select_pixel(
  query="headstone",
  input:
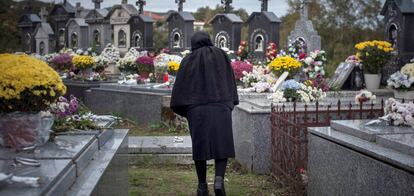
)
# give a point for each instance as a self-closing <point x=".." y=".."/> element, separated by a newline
<point x="264" y="28"/>
<point x="131" y="29"/>
<point x="304" y="31"/>
<point x="399" y="28"/>
<point x="100" y="30"/>
<point x="44" y="35"/>
<point x="59" y="17"/>
<point x="342" y="73"/>
<point x="78" y="30"/>
<point x="180" y="29"/>
<point x="226" y="28"/>
<point x="27" y="25"/>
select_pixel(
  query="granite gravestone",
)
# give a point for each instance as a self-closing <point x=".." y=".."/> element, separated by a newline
<point x="226" y="28"/>
<point x="78" y="29"/>
<point x="59" y="17"/>
<point x="142" y="36"/>
<point x="100" y="30"/>
<point x="44" y="35"/>
<point x="304" y="31"/>
<point x="27" y="25"/>
<point x="264" y="28"/>
<point x="399" y="30"/>
<point x="180" y="29"/>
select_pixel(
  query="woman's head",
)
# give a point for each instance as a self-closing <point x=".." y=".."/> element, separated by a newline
<point x="199" y="40"/>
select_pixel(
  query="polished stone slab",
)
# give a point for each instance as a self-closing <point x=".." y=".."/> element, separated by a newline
<point x="151" y="88"/>
<point x="358" y="128"/>
<point x="60" y="173"/>
<point x="159" y="145"/>
<point x="403" y="143"/>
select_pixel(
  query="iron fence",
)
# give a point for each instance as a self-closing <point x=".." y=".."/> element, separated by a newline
<point x="289" y="133"/>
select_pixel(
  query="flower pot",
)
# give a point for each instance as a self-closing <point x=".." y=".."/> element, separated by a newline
<point x="372" y="81"/>
<point x="406" y="95"/>
<point x="144" y="74"/>
<point x="19" y="130"/>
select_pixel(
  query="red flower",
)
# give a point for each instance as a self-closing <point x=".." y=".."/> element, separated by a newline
<point x="302" y="55"/>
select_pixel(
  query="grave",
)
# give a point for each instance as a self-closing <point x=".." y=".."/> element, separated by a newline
<point x="180" y="29"/>
<point x="227" y="28"/>
<point x="59" y="17"/>
<point x="352" y="158"/>
<point x="100" y="30"/>
<point x="44" y="35"/>
<point x="398" y="17"/>
<point x="264" y="28"/>
<point x="27" y="25"/>
<point x="78" y="29"/>
<point x="304" y="32"/>
<point x="252" y="130"/>
<point x="90" y="163"/>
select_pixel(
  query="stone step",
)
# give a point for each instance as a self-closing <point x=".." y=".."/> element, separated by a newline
<point x="160" y="145"/>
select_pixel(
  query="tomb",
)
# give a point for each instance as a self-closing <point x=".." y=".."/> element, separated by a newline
<point x="78" y="29"/>
<point x="27" y="24"/>
<point x="59" y="17"/>
<point x="100" y="30"/>
<point x="264" y="28"/>
<point x="44" y="35"/>
<point x="180" y="29"/>
<point x="227" y="29"/>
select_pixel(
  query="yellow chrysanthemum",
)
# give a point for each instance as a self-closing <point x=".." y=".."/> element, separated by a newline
<point x="24" y="77"/>
<point x="83" y="61"/>
<point x="284" y="63"/>
<point x="173" y="66"/>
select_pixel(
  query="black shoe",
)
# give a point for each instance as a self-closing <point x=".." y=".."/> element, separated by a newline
<point x="219" y="186"/>
<point x="202" y="189"/>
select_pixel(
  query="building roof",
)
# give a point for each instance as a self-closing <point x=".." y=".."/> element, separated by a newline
<point x="30" y="17"/>
<point x="186" y="16"/>
<point x="269" y="15"/>
<point x="80" y="21"/>
<point x="66" y="6"/>
<point x="146" y="18"/>
<point x="130" y="9"/>
<point x="154" y="16"/>
<point x="103" y="12"/>
<point x="232" y="17"/>
<point x="405" y="6"/>
<point x="46" y="27"/>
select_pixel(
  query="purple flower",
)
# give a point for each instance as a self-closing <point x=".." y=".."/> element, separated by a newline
<point x="239" y="67"/>
<point x="62" y="61"/>
<point x="145" y="60"/>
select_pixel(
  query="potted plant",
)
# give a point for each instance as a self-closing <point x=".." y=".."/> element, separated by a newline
<point x="403" y="82"/>
<point x="84" y="63"/>
<point x="239" y="67"/>
<point x="283" y="64"/>
<point x="62" y="62"/>
<point x="145" y="66"/>
<point x="373" y="56"/>
<point x="28" y="86"/>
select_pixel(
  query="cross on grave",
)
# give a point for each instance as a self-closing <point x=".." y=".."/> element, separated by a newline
<point x="227" y="4"/>
<point x="97" y="3"/>
<point x="180" y="4"/>
<point x="43" y="14"/>
<point x="141" y="4"/>
<point x="264" y="5"/>
<point x="304" y="9"/>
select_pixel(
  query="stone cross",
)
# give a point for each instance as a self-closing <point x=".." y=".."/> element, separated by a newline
<point x="304" y="9"/>
<point x="124" y="1"/>
<point x="226" y="4"/>
<point x="264" y="5"/>
<point x="43" y="14"/>
<point x="141" y="4"/>
<point x="97" y="3"/>
<point x="180" y="4"/>
<point x="78" y="10"/>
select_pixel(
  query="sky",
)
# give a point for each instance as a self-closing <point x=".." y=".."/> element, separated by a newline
<point x="279" y="7"/>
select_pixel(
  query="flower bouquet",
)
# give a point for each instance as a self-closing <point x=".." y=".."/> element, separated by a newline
<point x="295" y="91"/>
<point x="239" y="67"/>
<point x="62" y="62"/>
<point x="271" y="51"/>
<point x="28" y="87"/>
<point x="145" y="66"/>
<point x="364" y="96"/>
<point x="284" y="64"/>
<point x="313" y="65"/>
<point x="399" y="114"/>
<point x="242" y="52"/>
<point x="109" y="56"/>
<point x="403" y="82"/>
<point x="173" y="67"/>
<point x="83" y="62"/>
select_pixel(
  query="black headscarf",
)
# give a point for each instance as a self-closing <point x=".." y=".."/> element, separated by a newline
<point x="205" y="76"/>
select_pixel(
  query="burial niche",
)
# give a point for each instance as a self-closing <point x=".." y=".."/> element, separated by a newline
<point x="122" y="39"/>
<point x="176" y="41"/>
<point x="137" y="39"/>
<point x="393" y="36"/>
<point x="62" y="38"/>
<point x="74" y="40"/>
<point x="259" y="43"/>
<point x="42" y="48"/>
<point x="28" y="43"/>
<point x="97" y="37"/>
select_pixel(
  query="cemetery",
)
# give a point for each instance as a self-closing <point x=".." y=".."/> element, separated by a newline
<point x="85" y="103"/>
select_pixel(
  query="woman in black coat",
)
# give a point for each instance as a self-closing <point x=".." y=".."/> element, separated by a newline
<point x="205" y="93"/>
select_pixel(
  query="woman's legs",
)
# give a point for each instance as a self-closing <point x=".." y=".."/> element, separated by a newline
<point x="221" y="165"/>
<point x="201" y="169"/>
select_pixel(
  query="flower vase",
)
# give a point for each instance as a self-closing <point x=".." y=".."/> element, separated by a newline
<point x="144" y="74"/>
<point x="406" y="95"/>
<point x="19" y="130"/>
<point x="372" y="81"/>
<point x="87" y="72"/>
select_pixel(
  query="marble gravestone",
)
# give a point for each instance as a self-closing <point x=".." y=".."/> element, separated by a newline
<point x="180" y="29"/>
<point x="399" y="30"/>
<point x="100" y="30"/>
<point x="78" y="29"/>
<point x="304" y="32"/>
<point x="59" y="17"/>
<point x="44" y="35"/>
<point x="27" y="25"/>
<point x="227" y="28"/>
<point x="264" y="28"/>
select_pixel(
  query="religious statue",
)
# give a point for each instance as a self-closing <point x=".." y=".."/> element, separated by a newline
<point x="62" y="39"/>
<point x="222" y="42"/>
<point x="74" y="40"/>
<point x="42" y="48"/>
<point x="394" y="38"/>
<point x="97" y="37"/>
<point x="137" y="40"/>
<point x="122" y="39"/>
<point x="28" y="42"/>
<point x="177" y="39"/>
<point x="258" y="46"/>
